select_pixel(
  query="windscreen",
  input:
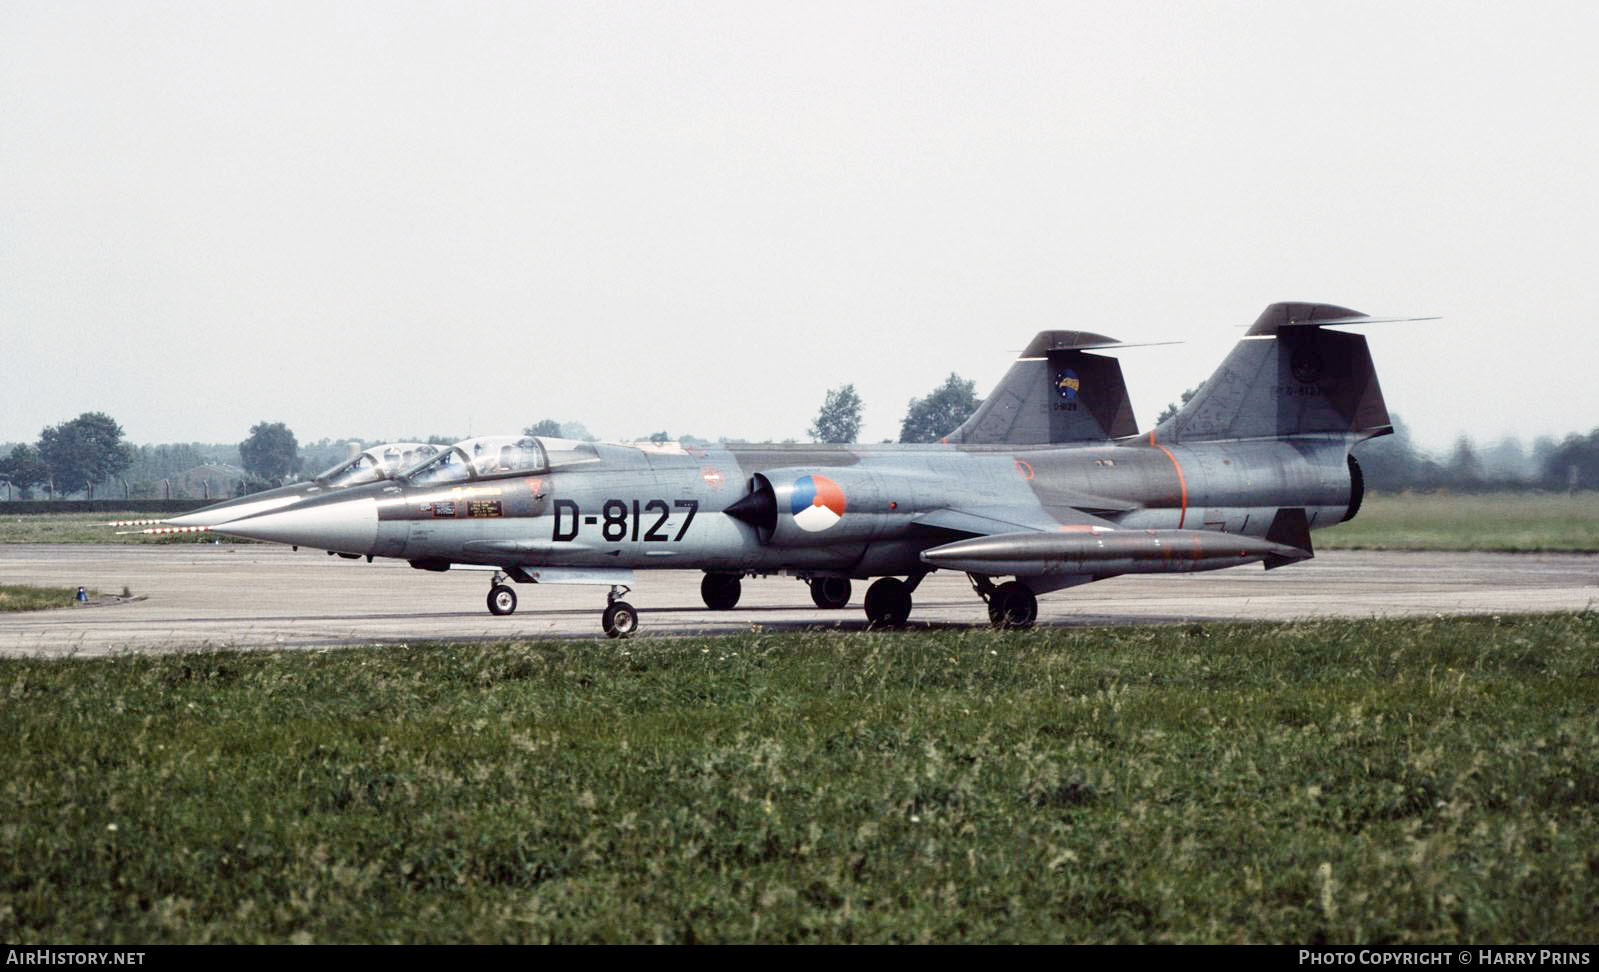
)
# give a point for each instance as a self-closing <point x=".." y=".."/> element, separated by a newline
<point x="494" y="456"/>
<point x="482" y="458"/>
<point x="450" y="466"/>
<point x="378" y="462"/>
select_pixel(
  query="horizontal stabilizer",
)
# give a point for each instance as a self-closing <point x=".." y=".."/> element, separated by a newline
<point x="1046" y="341"/>
<point x="1291" y="314"/>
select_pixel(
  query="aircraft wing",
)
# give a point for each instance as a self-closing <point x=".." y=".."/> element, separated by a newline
<point x="984" y="521"/>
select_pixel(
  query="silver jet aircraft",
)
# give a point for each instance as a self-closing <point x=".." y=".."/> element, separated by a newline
<point x="1047" y="486"/>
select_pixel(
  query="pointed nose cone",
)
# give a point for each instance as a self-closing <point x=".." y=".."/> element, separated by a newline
<point x="345" y="526"/>
<point x="236" y="509"/>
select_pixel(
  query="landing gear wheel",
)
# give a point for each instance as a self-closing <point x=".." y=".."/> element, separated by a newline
<point x="1013" y="605"/>
<point x="720" y="591"/>
<point x="620" y="620"/>
<point x="888" y="603"/>
<point x="502" y="600"/>
<point x="830" y="592"/>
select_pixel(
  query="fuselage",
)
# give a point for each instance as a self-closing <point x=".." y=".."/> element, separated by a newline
<point x="857" y="511"/>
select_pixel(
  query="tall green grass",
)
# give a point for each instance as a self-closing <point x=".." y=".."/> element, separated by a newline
<point x="91" y="528"/>
<point x="27" y="597"/>
<point x="1399" y="782"/>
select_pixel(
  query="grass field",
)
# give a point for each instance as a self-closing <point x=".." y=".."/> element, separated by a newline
<point x="26" y="597"/>
<point x="89" y="528"/>
<point x="1490" y="521"/>
<point x="1401" y="782"/>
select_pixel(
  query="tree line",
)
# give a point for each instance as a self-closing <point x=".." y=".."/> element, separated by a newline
<point x="88" y="453"/>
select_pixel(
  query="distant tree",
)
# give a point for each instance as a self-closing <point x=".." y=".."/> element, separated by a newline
<point x="1174" y="407"/>
<point x="87" y="450"/>
<point x="578" y="431"/>
<point x="548" y="427"/>
<point x="1542" y="448"/>
<point x="248" y="485"/>
<point x="1506" y="462"/>
<point x="1464" y="468"/>
<point x="840" y="417"/>
<point x="153" y="463"/>
<point x="24" y="469"/>
<point x="941" y="412"/>
<point x="660" y="438"/>
<point x="271" y="452"/>
<point x="1392" y="462"/>
<point x="1574" y="464"/>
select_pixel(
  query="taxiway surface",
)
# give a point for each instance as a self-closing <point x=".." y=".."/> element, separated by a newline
<point x="263" y="596"/>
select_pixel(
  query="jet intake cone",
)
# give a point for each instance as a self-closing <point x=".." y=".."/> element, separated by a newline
<point x="758" y="509"/>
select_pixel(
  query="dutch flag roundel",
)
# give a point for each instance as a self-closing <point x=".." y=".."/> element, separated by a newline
<point x="817" y="503"/>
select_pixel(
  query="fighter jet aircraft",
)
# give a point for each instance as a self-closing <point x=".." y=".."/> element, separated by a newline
<point x="1045" y="485"/>
<point x="368" y="466"/>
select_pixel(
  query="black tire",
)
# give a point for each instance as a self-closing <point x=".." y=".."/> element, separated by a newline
<point x="620" y="620"/>
<point x="721" y="591"/>
<point x="1013" y="605"/>
<point x="502" y="600"/>
<point x="888" y="603"/>
<point x="830" y="592"/>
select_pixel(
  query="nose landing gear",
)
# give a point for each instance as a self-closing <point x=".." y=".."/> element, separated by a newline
<point x="619" y="619"/>
<point x="502" y="599"/>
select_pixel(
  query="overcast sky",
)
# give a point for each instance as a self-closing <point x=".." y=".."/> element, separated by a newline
<point x="380" y="219"/>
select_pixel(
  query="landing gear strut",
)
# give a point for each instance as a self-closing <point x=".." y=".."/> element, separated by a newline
<point x="888" y="601"/>
<point x="720" y="591"/>
<point x="620" y="619"/>
<point x="502" y="599"/>
<point x="830" y="592"/>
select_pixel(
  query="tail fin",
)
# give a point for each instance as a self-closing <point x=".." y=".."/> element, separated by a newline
<point x="1288" y="377"/>
<point x="1055" y="392"/>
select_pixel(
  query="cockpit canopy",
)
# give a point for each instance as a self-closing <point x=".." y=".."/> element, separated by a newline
<point x="379" y="462"/>
<point x="491" y="456"/>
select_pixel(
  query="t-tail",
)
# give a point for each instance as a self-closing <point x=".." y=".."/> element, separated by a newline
<point x="1289" y="377"/>
<point x="1056" y="392"/>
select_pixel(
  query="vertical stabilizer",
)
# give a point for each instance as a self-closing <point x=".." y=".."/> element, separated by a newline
<point x="1055" y="392"/>
<point x="1289" y="376"/>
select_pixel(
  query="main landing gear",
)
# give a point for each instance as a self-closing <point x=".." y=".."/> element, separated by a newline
<point x="720" y="591"/>
<point x="888" y="601"/>
<point x="1010" y="605"/>
<point x="830" y="592"/>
